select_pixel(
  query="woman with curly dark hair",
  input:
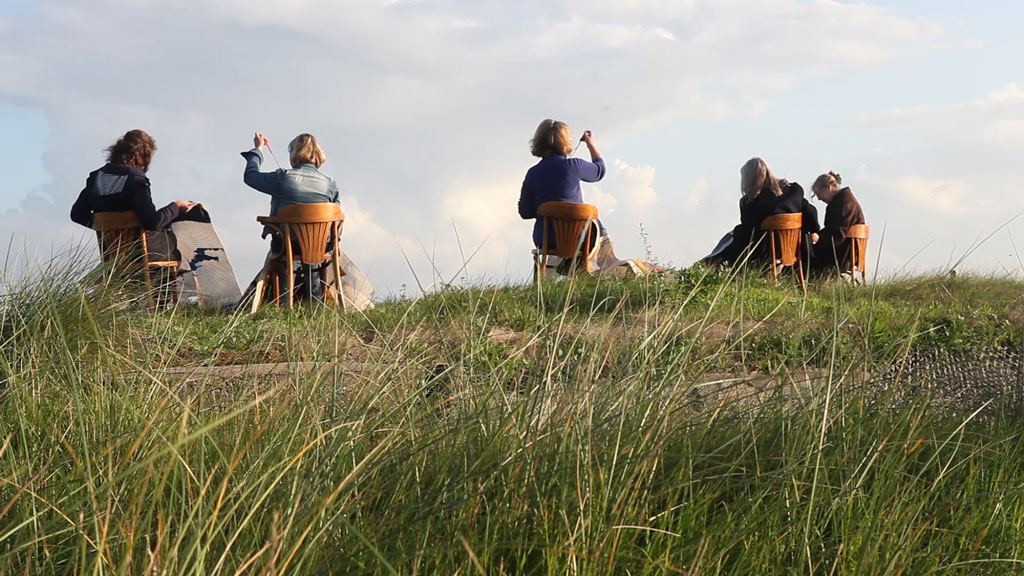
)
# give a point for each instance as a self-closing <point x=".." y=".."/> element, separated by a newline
<point x="121" y="185"/>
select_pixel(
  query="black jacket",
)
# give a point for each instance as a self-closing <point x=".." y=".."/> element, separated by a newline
<point x="753" y="212"/>
<point x="119" y="188"/>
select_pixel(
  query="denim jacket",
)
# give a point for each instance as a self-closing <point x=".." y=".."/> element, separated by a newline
<point x="302" y="185"/>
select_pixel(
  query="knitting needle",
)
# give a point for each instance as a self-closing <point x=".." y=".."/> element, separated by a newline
<point x="271" y="150"/>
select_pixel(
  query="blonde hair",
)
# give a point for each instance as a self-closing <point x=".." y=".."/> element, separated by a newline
<point x="552" y="137"/>
<point x="756" y="176"/>
<point x="304" y="149"/>
<point x="826" y="181"/>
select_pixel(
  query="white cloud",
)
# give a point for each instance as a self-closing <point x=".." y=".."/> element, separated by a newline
<point x="424" y="108"/>
<point x="932" y="195"/>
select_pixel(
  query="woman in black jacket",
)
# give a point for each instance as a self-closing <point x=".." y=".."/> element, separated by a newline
<point x="121" y="185"/>
<point x="763" y="196"/>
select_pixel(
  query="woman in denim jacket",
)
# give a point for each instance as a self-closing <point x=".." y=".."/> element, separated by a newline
<point x="302" y="184"/>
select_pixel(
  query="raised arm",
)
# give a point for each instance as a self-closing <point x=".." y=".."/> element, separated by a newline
<point x="592" y="171"/>
<point x="266" y="182"/>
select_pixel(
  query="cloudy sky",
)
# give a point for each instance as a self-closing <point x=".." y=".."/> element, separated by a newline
<point x="425" y="109"/>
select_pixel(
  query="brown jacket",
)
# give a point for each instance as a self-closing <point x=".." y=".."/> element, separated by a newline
<point x="842" y="212"/>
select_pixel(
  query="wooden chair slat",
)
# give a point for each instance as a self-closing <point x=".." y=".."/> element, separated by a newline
<point x="785" y="239"/>
<point x="122" y="239"/>
<point x="858" y="262"/>
<point x="309" y="227"/>
<point x="571" y="224"/>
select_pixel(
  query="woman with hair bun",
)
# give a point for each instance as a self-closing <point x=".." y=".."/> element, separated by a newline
<point x="557" y="177"/>
<point x="842" y="211"/>
<point x="121" y="185"/>
<point x="763" y="195"/>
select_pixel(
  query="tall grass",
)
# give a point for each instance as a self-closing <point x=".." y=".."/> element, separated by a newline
<point x="698" y="424"/>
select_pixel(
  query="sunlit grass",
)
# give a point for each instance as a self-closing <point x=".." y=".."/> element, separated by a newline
<point x="695" y="423"/>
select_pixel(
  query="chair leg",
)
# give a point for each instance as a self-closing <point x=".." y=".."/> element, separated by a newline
<point x="257" y="294"/>
<point x="260" y="291"/>
<point x="338" y="272"/>
<point x="288" y="265"/>
<point x="774" y="265"/>
<point x="199" y="291"/>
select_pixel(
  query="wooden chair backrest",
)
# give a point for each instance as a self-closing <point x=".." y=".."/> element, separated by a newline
<point x="784" y="231"/>
<point x="858" y="235"/>
<point x="119" y="234"/>
<point x="311" y="225"/>
<point x="571" y="222"/>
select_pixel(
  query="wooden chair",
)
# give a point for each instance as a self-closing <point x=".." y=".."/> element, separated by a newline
<point x="122" y="241"/>
<point x="572" y="223"/>
<point x="785" y="240"/>
<point x="312" y="226"/>
<point x="858" y="261"/>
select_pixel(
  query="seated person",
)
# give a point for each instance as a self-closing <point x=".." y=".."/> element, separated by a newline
<point x="557" y="177"/>
<point x="303" y="183"/>
<point x="121" y="185"/>
<point x="832" y="252"/>
<point x="763" y="196"/>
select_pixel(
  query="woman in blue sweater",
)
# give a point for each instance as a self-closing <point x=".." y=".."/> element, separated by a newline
<point x="557" y="177"/>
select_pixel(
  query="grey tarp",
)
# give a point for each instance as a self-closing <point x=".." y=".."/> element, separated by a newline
<point x="205" y="276"/>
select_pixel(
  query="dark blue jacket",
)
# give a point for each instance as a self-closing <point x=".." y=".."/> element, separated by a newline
<point x="119" y="188"/>
<point x="555" y="178"/>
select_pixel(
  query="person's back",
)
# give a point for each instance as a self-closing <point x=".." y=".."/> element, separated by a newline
<point x="122" y="185"/>
<point x="791" y="201"/>
<point x="842" y="211"/>
<point x="763" y="195"/>
<point x="556" y="178"/>
<point x="303" y="183"/>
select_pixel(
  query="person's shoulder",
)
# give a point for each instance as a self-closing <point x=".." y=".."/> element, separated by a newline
<point x="793" y="188"/>
<point x="124" y="170"/>
<point x="577" y="162"/>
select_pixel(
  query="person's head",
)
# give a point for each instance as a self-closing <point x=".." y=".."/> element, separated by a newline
<point x="304" y="149"/>
<point x="134" y="149"/>
<point x="756" y="176"/>
<point x="826" y="186"/>
<point x="552" y="138"/>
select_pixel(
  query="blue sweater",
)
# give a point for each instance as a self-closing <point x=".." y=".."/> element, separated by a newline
<point x="555" y="178"/>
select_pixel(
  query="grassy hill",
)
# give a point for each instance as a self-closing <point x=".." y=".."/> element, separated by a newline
<point x="696" y="423"/>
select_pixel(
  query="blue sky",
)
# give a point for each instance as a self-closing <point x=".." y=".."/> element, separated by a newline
<point x="425" y="109"/>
